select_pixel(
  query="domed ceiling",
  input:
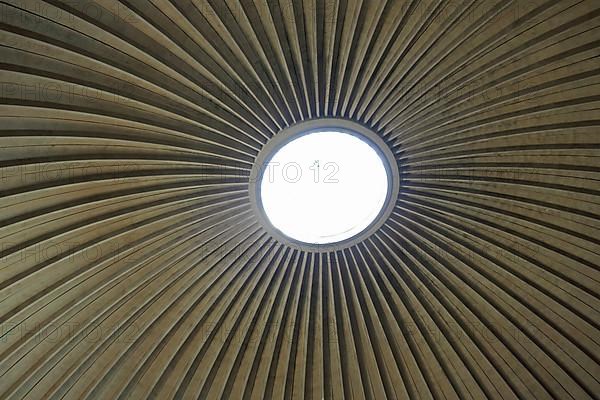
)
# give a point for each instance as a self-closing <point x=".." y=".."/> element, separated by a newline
<point x="133" y="266"/>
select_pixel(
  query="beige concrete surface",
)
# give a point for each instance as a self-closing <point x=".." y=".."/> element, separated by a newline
<point x="132" y="265"/>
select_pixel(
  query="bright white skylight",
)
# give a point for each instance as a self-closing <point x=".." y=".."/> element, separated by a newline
<point x="324" y="187"/>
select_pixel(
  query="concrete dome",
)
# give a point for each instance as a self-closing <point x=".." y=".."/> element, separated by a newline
<point x="133" y="264"/>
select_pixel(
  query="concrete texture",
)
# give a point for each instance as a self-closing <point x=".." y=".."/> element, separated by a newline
<point x="132" y="265"/>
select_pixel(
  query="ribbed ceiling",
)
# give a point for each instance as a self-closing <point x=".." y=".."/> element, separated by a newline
<point x="132" y="265"/>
